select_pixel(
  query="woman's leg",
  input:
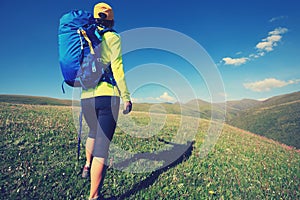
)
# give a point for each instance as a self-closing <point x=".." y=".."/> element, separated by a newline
<point x="97" y="169"/>
<point x="89" y="147"/>
<point x="89" y="113"/>
<point x="107" y="113"/>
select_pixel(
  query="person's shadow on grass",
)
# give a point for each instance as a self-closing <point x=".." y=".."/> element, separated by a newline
<point x="172" y="157"/>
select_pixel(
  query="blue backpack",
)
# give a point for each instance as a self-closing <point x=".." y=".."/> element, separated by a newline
<point x="79" y="45"/>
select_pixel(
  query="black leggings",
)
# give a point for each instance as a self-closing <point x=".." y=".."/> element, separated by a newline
<point x="101" y="114"/>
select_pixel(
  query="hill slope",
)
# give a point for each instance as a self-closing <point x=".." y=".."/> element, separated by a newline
<point x="34" y="100"/>
<point x="277" y="118"/>
<point x="38" y="161"/>
<point x="233" y="108"/>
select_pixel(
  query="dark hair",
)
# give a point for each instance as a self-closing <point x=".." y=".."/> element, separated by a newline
<point x="105" y="23"/>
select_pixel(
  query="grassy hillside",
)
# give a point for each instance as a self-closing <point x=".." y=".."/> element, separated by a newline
<point x="282" y="99"/>
<point x="233" y="108"/>
<point x="277" y="118"/>
<point x="22" y="99"/>
<point x="176" y="108"/>
<point x="38" y="161"/>
<point x="195" y="108"/>
<point x="243" y="104"/>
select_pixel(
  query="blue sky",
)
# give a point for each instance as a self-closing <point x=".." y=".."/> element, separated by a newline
<point x="254" y="44"/>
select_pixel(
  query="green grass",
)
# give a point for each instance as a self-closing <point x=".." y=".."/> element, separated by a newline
<point x="38" y="161"/>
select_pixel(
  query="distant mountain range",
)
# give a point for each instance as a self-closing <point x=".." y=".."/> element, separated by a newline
<point x="277" y="118"/>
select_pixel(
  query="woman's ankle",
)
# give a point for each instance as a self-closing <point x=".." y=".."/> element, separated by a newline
<point x="87" y="163"/>
<point x="94" y="198"/>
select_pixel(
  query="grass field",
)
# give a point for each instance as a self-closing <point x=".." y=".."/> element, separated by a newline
<point x="39" y="147"/>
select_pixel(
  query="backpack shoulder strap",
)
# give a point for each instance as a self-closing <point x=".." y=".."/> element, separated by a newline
<point x="104" y="30"/>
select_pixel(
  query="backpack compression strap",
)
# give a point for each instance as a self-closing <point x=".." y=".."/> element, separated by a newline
<point x="81" y="31"/>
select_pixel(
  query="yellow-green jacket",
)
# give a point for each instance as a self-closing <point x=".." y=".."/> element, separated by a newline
<point x="111" y="52"/>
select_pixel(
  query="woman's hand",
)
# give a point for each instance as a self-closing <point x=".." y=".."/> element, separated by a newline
<point x="127" y="107"/>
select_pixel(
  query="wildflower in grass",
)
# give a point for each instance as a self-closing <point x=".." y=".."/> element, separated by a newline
<point x="211" y="192"/>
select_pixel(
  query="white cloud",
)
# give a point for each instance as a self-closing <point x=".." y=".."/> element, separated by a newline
<point x="278" y="18"/>
<point x="263" y="99"/>
<point x="166" y="97"/>
<point x="257" y="55"/>
<point x="268" y="43"/>
<point x="235" y="61"/>
<point x="268" y="84"/>
<point x="278" y="31"/>
<point x="136" y="100"/>
<point x="274" y="38"/>
<point x="266" y="46"/>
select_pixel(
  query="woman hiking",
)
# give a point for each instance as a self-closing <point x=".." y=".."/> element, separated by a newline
<point x="100" y="105"/>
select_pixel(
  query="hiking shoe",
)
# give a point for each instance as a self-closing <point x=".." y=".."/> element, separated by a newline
<point x="85" y="172"/>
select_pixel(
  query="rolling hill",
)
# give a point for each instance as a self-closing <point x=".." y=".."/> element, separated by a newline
<point x="34" y="100"/>
<point x="276" y="118"/>
<point x="233" y="108"/>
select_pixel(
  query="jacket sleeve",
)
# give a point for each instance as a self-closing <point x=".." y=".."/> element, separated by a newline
<point x="117" y="66"/>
